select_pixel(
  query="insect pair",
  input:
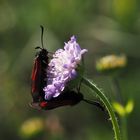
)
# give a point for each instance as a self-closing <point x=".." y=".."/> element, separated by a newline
<point x="39" y="81"/>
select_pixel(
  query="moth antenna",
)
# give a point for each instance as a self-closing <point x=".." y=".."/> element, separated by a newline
<point x="42" y="32"/>
<point x="97" y="104"/>
<point x="38" y="47"/>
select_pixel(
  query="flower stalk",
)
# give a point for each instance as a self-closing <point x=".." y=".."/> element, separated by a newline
<point x="108" y="106"/>
<point x="124" y="127"/>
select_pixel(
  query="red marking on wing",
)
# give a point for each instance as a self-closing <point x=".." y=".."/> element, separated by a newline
<point x="35" y="75"/>
<point x="43" y="104"/>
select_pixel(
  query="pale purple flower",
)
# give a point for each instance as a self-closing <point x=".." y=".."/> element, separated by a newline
<point x="62" y="68"/>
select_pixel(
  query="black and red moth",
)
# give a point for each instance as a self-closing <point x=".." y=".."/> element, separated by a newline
<point x="38" y="77"/>
<point x="39" y="81"/>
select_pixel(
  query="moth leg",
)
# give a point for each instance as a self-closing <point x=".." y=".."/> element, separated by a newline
<point x="44" y="62"/>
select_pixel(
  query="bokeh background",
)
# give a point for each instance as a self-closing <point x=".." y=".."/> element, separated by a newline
<point x="101" y="26"/>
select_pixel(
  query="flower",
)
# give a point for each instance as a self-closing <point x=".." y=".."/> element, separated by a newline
<point x="111" y="62"/>
<point x="62" y="68"/>
<point x="31" y="127"/>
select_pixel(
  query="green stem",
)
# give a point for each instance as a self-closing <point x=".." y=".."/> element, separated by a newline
<point x="108" y="106"/>
<point x="124" y="127"/>
<point x="117" y="89"/>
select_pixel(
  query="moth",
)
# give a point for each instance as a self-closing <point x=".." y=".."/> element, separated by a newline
<point x="38" y="76"/>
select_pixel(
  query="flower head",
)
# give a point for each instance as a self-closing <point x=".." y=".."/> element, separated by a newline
<point x="62" y="68"/>
<point x="31" y="127"/>
<point x="111" y="62"/>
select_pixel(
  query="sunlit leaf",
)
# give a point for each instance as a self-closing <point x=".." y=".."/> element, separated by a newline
<point x="119" y="108"/>
<point x="129" y="107"/>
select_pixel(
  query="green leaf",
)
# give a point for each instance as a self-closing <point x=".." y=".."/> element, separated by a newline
<point x="119" y="109"/>
<point x="129" y="107"/>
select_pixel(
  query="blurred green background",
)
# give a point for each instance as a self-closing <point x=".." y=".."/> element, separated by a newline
<point x="101" y="26"/>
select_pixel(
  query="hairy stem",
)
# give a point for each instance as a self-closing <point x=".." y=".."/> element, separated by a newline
<point x="108" y="106"/>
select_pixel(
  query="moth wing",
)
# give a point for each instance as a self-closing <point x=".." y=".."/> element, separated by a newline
<point x="35" y="79"/>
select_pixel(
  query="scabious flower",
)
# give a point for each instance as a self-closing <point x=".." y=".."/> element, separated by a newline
<point x="62" y="68"/>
